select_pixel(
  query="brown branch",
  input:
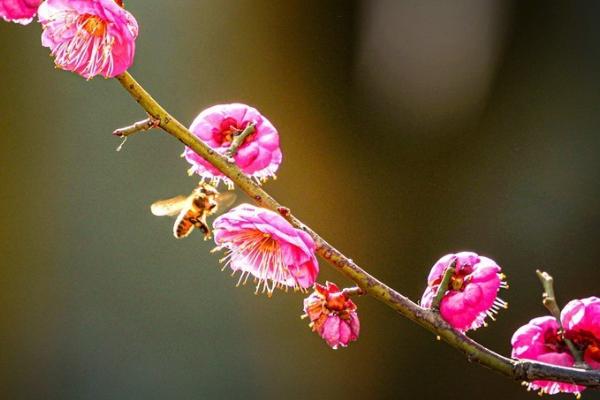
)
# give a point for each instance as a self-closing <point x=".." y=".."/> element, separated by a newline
<point x="520" y="370"/>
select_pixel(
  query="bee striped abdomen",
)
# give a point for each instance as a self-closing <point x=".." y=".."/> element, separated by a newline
<point x="183" y="229"/>
<point x="190" y="219"/>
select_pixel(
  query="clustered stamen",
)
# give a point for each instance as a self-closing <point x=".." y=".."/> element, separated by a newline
<point x="262" y="251"/>
<point x="90" y="51"/>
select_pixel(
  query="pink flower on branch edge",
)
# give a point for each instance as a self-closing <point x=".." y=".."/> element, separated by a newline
<point x="581" y="321"/>
<point x="472" y="294"/>
<point x="89" y="37"/>
<point x="19" y="11"/>
<point x="259" y="156"/>
<point x="332" y="315"/>
<point x="262" y="244"/>
<point x="540" y="340"/>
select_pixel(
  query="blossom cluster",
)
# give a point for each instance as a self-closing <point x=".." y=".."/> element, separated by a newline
<point x="97" y="38"/>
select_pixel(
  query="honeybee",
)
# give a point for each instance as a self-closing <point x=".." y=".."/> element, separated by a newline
<point x="193" y="210"/>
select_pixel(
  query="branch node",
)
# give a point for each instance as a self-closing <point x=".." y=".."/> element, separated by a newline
<point x="283" y="211"/>
<point x="353" y="291"/>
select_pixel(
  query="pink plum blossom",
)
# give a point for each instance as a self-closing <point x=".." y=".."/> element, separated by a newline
<point x="89" y="37"/>
<point x="332" y="315"/>
<point x="259" y="156"/>
<point x="581" y="321"/>
<point x="261" y="243"/>
<point x="472" y="294"/>
<point x="540" y="340"/>
<point x="19" y="11"/>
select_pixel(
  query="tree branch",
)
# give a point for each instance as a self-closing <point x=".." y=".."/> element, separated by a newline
<point x="430" y="320"/>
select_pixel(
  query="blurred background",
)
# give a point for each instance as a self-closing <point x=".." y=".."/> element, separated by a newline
<point x="410" y="129"/>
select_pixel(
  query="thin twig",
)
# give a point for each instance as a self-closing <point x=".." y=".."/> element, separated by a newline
<point x="549" y="301"/>
<point x="548" y="297"/>
<point x="448" y="273"/>
<point x="140" y="126"/>
<point x="520" y="370"/>
<point x="238" y="140"/>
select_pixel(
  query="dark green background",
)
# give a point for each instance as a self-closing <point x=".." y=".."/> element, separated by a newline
<point x="410" y="129"/>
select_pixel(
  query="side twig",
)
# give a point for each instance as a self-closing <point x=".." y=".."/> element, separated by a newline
<point x="238" y="140"/>
<point x="435" y="304"/>
<point x="140" y="126"/>
<point x="549" y="301"/>
<point x="519" y="370"/>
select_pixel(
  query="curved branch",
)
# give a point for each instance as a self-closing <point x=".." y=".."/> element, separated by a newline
<point x="430" y="320"/>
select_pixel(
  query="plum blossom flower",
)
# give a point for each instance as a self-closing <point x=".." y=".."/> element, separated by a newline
<point x="91" y="37"/>
<point x="261" y="243"/>
<point x="541" y="340"/>
<point x="19" y="11"/>
<point x="581" y="321"/>
<point x="332" y="315"/>
<point x="472" y="294"/>
<point x="259" y="155"/>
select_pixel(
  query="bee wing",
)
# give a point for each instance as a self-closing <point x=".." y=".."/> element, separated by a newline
<point x="169" y="207"/>
<point x="225" y="200"/>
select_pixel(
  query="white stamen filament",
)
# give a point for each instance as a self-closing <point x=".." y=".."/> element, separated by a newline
<point x="256" y="253"/>
<point x="85" y="51"/>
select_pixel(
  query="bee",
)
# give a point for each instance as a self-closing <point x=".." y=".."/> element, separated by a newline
<point x="192" y="210"/>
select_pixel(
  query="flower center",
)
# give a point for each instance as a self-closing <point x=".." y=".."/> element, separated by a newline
<point x="336" y="301"/>
<point x="586" y="341"/>
<point x="229" y="128"/>
<point x="593" y="351"/>
<point x="459" y="279"/>
<point x="259" y="254"/>
<point x="94" y="25"/>
<point x="554" y="342"/>
<point x="457" y="282"/>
